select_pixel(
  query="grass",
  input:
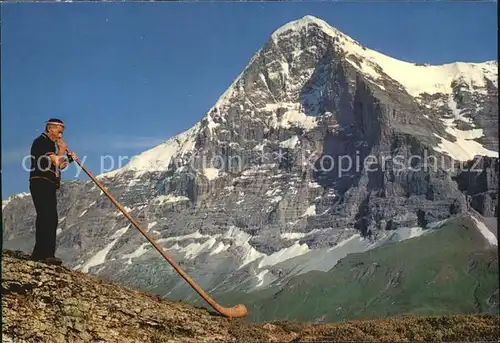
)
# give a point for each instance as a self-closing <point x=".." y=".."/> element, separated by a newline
<point x="449" y="271"/>
<point x="407" y="328"/>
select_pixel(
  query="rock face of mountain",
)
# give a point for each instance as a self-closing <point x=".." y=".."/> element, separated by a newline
<point x="479" y="180"/>
<point x="319" y="148"/>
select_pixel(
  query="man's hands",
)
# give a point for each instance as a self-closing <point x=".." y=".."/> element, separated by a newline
<point x="62" y="146"/>
<point x="63" y="149"/>
<point x="60" y="159"/>
<point x="72" y="155"/>
<point x="63" y="164"/>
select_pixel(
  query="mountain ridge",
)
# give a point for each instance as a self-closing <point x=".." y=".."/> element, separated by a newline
<point x="450" y="72"/>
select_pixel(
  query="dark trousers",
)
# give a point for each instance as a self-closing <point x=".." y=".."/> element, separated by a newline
<point x="43" y="193"/>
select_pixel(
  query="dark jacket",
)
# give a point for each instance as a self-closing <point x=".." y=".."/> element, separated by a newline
<point x="41" y="165"/>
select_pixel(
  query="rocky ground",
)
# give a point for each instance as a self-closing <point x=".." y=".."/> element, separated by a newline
<point x="42" y="303"/>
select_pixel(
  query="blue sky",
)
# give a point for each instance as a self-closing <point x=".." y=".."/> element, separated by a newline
<point x="127" y="76"/>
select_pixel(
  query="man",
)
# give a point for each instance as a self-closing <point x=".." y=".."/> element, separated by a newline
<point x="49" y="154"/>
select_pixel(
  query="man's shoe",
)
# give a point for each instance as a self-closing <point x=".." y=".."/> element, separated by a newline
<point x="49" y="260"/>
<point x="52" y="260"/>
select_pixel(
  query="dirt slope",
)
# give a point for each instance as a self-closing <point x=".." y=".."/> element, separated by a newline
<point x="43" y="303"/>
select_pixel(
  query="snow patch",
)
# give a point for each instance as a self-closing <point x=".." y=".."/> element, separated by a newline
<point x="310" y="211"/>
<point x="193" y="235"/>
<point x="294" y="235"/>
<point x="100" y="256"/>
<point x="366" y="68"/>
<point x="293" y="116"/>
<point x="298" y="119"/>
<point x="276" y="199"/>
<point x="416" y="232"/>
<point x="219" y="248"/>
<point x="404" y="233"/>
<point x="259" y="147"/>
<point x="464" y="148"/>
<point x="159" y="157"/>
<point x="257" y="169"/>
<point x="457" y="113"/>
<point x="169" y="199"/>
<point x="246" y="253"/>
<point x="416" y="79"/>
<point x="289" y="143"/>
<point x="120" y="232"/>
<point x="437" y="224"/>
<point x="490" y="237"/>
<point x="261" y="276"/>
<point x="211" y="173"/>
<point x="5" y="203"/>
<point x="273" y="192"/>
<point x="240" y="238"/>
<point x="299" y="235"/>
<point x="211" y="124"/>
<point x="12" y="197"/>
<point x="136" y="178"/>
<point x="194" y="249"/>
<point x="141" y="250"/>
<point x="347" y="240"/>
<point x="284" y="254"/>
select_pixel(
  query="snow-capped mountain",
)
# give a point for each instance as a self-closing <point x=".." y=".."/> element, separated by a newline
<point x="249" y="195"/>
